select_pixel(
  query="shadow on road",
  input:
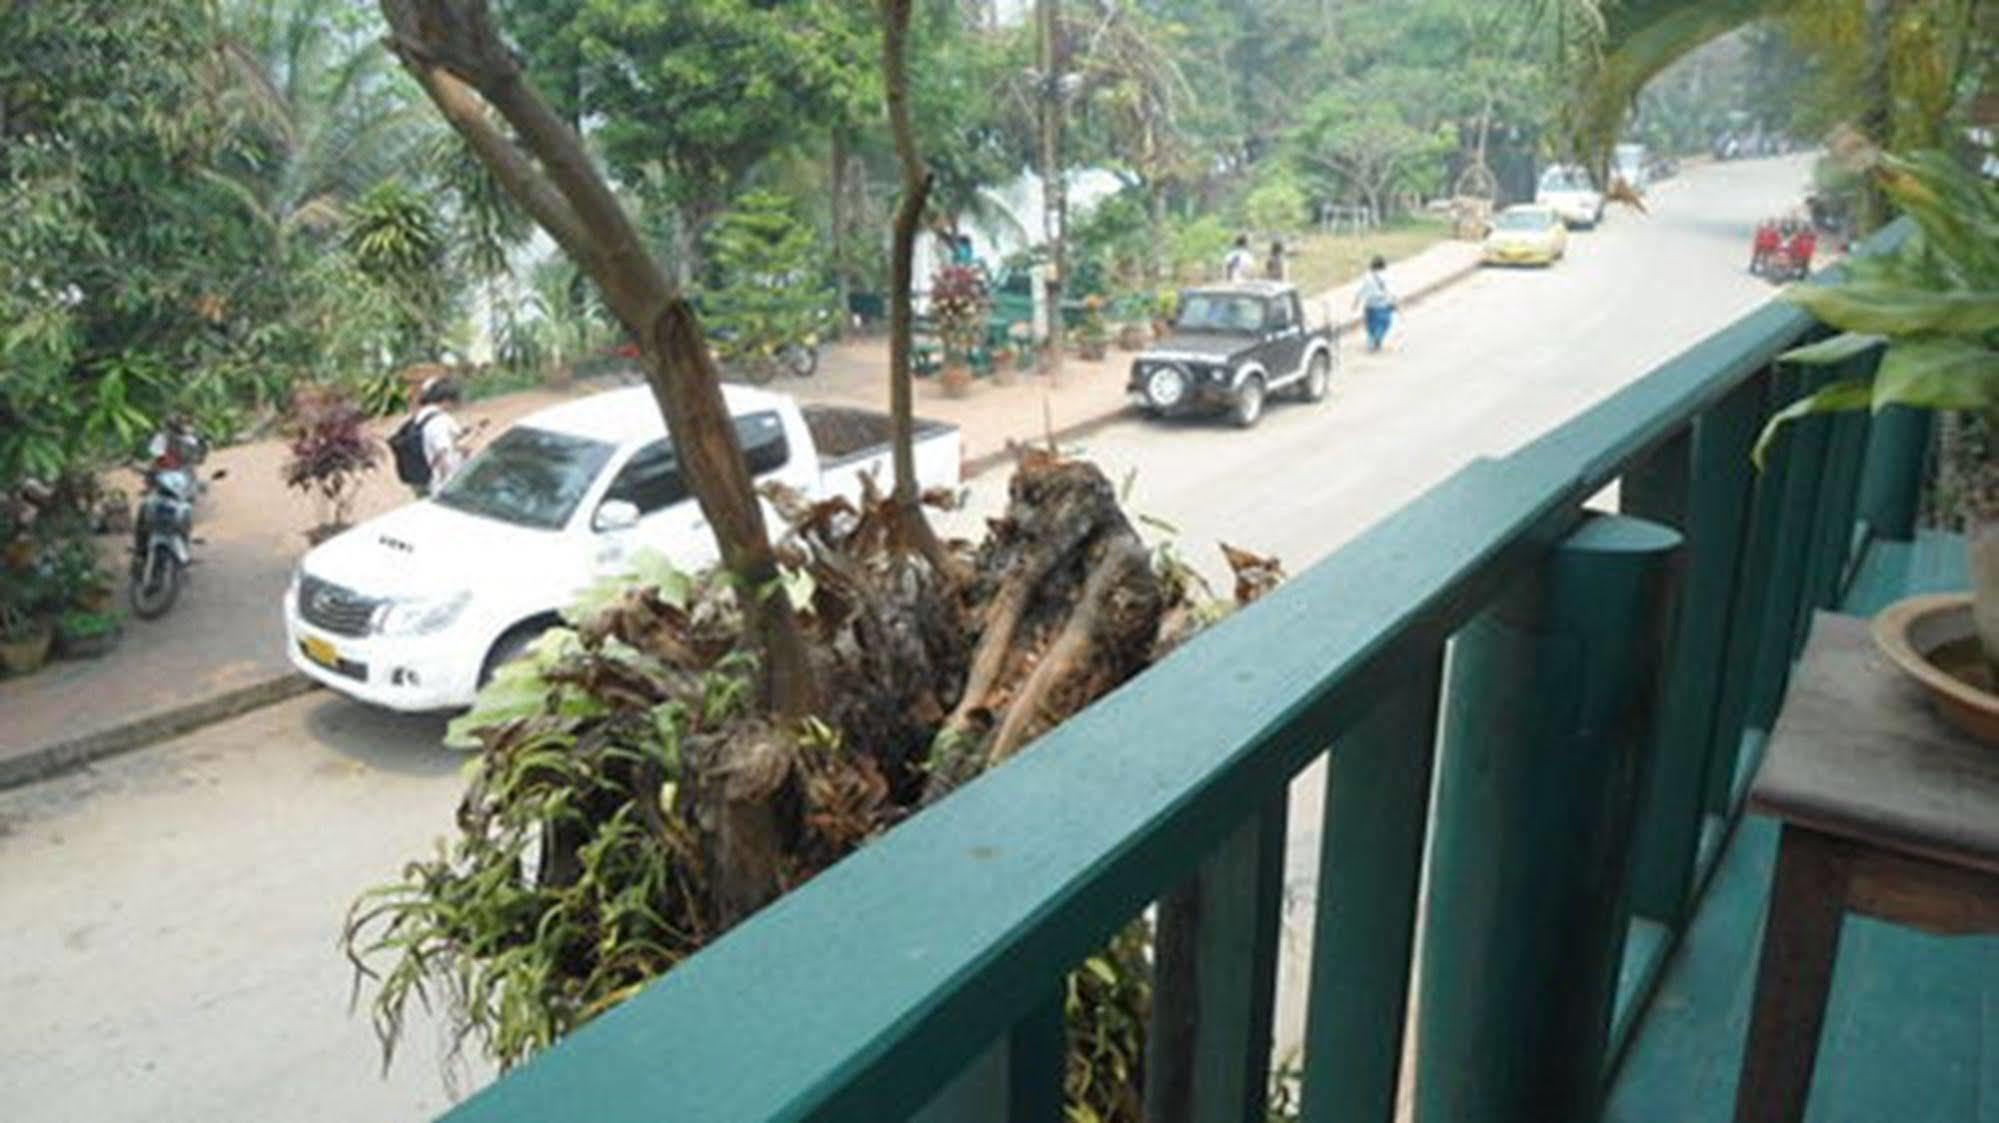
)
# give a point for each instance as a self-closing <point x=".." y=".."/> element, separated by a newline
<point x="407" y="744"/>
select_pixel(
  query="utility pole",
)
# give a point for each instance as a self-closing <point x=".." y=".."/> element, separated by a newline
<point x="1054" y="195"/>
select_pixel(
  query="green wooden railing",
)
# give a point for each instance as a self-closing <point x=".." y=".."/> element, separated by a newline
<point x="1608" y="684"/>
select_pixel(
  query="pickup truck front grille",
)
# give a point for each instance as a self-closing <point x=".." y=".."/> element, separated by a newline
<point x="335" y="608"/>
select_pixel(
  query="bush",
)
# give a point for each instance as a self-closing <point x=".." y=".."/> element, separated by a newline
<point x="1277" y="205"/>
<point x="959" y="304"/>
<point x="331" y="450"/>
<point x="768" y="291"/>
<point x="1197" y="246"/>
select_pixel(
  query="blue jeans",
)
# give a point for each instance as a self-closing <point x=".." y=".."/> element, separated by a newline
<point x="1378" y="317"/>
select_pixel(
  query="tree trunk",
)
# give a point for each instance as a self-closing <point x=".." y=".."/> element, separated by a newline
<point x="1158" y="209"/>
<point x="842" y="279"/>
<point x="452" y="48"/>
<point x="1054" y="205"/>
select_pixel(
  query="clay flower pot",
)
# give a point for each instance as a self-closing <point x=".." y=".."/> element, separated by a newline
<point x="1131" y="337"/>
<point x="956" y="379"/>
<point x="1933" y="639"/>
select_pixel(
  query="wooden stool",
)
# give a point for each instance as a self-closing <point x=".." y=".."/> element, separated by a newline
<point x="1887" y="812"/>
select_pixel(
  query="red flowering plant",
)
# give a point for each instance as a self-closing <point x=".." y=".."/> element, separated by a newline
<point x="331" y="449"/>
<point x="959" y="304"/>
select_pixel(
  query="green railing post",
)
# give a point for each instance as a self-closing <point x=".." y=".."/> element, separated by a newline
<point x="1549" y="712"/>
<point x="1832" y="536"/>
<point x="1370" y="870"/>
<point x="1803" y="447"/>
<point x="1215" y="981"/>
<point x="1751" y="403"/>
<point x="1891" y="483"/>
<point x="1018" y="1080"/>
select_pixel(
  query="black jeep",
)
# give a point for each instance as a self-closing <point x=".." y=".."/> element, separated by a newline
<point x="1231" y="347"/>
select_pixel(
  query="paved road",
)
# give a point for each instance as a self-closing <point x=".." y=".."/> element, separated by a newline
<point x="171" y="916"/>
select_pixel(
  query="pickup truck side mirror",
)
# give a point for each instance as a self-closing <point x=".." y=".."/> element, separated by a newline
<point x="615" y="514"/>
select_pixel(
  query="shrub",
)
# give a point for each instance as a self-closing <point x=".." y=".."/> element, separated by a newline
<point x="331" y="450"/>
<point x="959" y="304"/>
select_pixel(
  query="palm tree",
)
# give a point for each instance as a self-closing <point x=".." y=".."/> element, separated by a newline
<point x="322" y="115"/>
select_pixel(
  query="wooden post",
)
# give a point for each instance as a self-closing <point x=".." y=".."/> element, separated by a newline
<point x="1370" y="870"/>
<point x="1549" y="714"/>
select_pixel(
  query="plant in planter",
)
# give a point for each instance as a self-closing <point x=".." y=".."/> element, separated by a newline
<point x="25" y="631"/>
<point x="1933" y="309"/>
<point x="86" y="635"/>
<point x="1093" y="334"/>
<point x="1165" y="306"/>
<point x="959" y="305"/>
<point x="331" y="450"/>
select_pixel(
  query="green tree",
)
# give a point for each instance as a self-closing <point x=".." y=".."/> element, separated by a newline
<point x="768" y="294"/>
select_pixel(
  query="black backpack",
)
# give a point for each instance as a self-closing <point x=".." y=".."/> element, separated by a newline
<point x="406" y="444"/>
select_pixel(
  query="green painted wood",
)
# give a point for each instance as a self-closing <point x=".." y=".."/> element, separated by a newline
<point x="1788" y="602"/>
<point x="1932" y="562"/>
<point x="1905" y="1042"/>
<point x="1549" y="713"/>
<point x="1215" y="982"/>
<point x="1750" y="405"/>
<point x="1370" y="869"/>
<point x="1646" y="946"/>
<point x="1891" y="486"/>
<point x="1701" y="485"/>
<point x="1037" y="1050"/>
<point x="1832" y="533"/>
<point x="865" y="992"/>
<point x="980" y="1093"/>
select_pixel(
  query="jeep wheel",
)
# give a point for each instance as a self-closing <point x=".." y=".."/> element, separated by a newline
<point x="1318" y="376"/>
<point x="1249" y="402"/>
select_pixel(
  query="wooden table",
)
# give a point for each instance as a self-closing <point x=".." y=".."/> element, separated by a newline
<point x="1887" y="812"/>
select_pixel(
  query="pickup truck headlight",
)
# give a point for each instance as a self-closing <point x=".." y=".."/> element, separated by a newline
<point x="419" y="616"/>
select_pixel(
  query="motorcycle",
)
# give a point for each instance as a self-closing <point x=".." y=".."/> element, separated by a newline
<point x="163" y="524"/>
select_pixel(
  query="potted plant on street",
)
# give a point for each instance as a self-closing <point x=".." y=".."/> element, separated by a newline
<point x="25" y="632"/>
<point x="1932" y="308"/>
<point x="1092" y="335"/>
<point x="959" y="305"/>
<point x="86" y="635"/>
<point x="331" y="450"/>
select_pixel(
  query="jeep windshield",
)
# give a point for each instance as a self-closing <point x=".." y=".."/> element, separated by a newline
<point x="1215" y="311"/>
<point x="529" y="477"/>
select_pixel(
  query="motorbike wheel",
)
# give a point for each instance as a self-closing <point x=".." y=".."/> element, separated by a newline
<point x="758" y="370"/>
<point x="800" y="360"/>
<point x="156" y="585"/>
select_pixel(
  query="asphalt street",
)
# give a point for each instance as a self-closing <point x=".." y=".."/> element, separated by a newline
<point x="172" y="916"/>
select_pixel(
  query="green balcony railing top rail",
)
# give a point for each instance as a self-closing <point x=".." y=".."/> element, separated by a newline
<point x="870" y="990"/>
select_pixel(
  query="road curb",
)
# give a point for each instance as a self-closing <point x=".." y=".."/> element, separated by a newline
<point x="979" y="465"/>
<point x="52" y="760"/>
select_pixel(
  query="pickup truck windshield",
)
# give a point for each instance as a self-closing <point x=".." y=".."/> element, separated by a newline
<point x="1211" y="311"/>
<point x="530" y="477"/>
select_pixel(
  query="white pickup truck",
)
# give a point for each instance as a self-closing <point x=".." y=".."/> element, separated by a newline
<point x="413" y="610"/>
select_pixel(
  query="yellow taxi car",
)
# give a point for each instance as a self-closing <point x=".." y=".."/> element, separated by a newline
<point x="1529" y="234"/>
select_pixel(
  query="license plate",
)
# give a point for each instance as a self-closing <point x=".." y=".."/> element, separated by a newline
<point x="321" y="652"/>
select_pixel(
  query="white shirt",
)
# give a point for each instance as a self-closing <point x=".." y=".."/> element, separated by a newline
<point x="1237" y="264"/>
<point x="1373" y="291"/>
<point x="441" y="434"/>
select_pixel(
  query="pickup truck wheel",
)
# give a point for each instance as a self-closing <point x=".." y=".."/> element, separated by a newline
<point x="1249" y="402"/>
<point x="511" y="646"/>
<point x="1318" y="377"/>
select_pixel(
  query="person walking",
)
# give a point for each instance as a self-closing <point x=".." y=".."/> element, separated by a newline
<point x="429" y="447"/>
<point x="1376" y="302"/>
<point x="1238" y="264"/>
<point x="1273" y="266"/>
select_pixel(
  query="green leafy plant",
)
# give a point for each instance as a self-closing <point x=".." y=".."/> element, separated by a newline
<point x="768" y="294"/>
<point x="1932" y="306"/>
<point x="331" y="450"/>
<point x="959" y="304"/>
<point x="81" y="624"/>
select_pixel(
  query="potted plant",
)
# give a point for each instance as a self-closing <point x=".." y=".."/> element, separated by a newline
<point x="331" y="450"/>
<point x="1092" y="335"/>
<point x="86" y="635"/>
<point x="25" y="634"/>
<point x="1165" y="306"/>
<point x="1930" y="307"/>
<point x="959" y="305"/>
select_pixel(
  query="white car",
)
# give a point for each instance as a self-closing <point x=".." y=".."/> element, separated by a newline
<point x="1568" y="190"/>
<point x="413" y="610"/>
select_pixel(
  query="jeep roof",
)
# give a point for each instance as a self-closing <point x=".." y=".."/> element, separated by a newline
<point x="1246" y="288"/>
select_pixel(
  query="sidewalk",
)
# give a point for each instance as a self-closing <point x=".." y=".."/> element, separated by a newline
<point x="220" y="651"/>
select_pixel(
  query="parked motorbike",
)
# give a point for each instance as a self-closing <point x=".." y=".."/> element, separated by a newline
<point x="162" y="527"/>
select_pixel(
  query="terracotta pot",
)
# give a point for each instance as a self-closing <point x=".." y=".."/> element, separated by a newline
<point x="1131" y="337"/>
<point x="1090" y="352"/>
<point x="25" y="654"/>
<point x="956" y="379"/>
<point x="1932" y="638"/>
